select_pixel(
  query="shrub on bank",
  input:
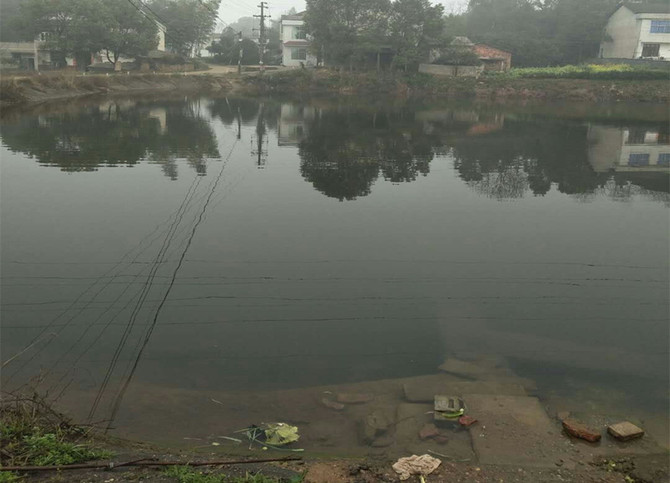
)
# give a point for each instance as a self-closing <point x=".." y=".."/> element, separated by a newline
<point x="587" y="71"/>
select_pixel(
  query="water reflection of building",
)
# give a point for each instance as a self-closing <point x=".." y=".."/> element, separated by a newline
<point x="294" y="123"/>
<point x="628" y="149"/>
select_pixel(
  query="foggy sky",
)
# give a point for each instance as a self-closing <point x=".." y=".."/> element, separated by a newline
<point x="231" y="10"/>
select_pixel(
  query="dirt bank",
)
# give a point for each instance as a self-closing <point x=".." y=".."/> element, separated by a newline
<point x="32" y="89"/>
<point x="422" y="86"/>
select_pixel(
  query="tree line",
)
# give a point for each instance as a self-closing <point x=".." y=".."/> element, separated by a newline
<point x="353" y="33"/>
<point x="118" y="28"/>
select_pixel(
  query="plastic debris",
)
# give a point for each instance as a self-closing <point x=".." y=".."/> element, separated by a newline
<point x="272" y="435"/>
<point x="416" y="465"/>
<point x="448" y="408"/>
<point x="279" y="434"/>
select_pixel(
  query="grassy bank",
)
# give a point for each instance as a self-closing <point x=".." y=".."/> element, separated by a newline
<point x="514" y="85"/>
<point x="33" y="88"/>
<point x="33" y="434"/>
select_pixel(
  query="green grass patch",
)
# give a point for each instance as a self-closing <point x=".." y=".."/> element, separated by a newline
<point x="186" y="474"/>
<point x="586" y="71"/>
<point x="31" y="433"/>
<point x="9" y="477"/>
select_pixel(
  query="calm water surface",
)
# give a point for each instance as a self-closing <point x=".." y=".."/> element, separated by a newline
<point x="183" y="269"/>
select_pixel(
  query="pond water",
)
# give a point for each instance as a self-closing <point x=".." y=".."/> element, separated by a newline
<point x="178" y="270"/>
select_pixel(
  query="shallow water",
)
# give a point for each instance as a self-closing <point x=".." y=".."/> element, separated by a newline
<point x="182" y="269"/>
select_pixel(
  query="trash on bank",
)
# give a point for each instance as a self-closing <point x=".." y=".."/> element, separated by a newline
<point x="272" y="435"/>
<point x="416" y="465"/>
<point x="448" y="408"/>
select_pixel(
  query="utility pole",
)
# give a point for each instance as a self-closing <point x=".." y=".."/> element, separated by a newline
<point x="262" y="41"/>
<point x="239" y="59"/>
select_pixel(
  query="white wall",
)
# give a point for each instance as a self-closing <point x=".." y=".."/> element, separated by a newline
<point x="624" y="30"/>
<point x="288" y="34"/>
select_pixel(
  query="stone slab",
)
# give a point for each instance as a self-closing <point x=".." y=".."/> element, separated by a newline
<point x="625" y="431"/>
<point x="411" y="418"/>
<point x="514" y="430"/>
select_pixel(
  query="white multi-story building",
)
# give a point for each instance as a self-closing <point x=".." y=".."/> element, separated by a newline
<point x="638" y="31"/>
<point x="295" y="44"/>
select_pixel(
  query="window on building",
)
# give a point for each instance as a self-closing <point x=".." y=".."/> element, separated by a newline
<point x="299" y="33"/>
<point x="660" y="27"/>
<point x="651" y="50"/>
<point x="664" y="137"/>
<point x="664" y="160"/>
<point x="636" y="136"/>
<point x="638" y="159"/>
<point x="298" y="54"/>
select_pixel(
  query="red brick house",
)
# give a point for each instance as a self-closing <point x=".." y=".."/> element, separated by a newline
<point x="492" y="58"/>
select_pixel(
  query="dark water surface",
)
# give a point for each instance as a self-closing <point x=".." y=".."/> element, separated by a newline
<point x="182" y="269"/>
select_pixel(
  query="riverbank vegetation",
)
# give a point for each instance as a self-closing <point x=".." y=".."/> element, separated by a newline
<point x="496" y="87"/>
<point x="587" y="71"/>
<point x="402" y="33"/>
<point x="32" y="433"/>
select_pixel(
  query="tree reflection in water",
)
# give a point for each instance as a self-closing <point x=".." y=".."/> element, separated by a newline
<point x="344" y="149"/>
<point x="116" y="133"/>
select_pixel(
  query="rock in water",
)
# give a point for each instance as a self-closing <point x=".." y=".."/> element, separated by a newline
<point x="429" y="431"/>
<point x="354" y="398"/>
<point x="332" y="404"/>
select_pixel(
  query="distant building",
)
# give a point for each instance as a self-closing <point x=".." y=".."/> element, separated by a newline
<point x="638" y="31"/>
<point x="37" y="56"/>
<point x="295" y="45"/>
<point x="491" y="58"/>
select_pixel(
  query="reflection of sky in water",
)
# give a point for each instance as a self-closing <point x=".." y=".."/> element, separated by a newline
<point x="460" y="231"/>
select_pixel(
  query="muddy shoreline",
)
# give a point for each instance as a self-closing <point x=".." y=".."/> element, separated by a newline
<point x="31" y="90"/>
<point x="301" y="84"/>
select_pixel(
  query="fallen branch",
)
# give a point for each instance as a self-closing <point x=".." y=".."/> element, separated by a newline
<point x="111" y="465"/>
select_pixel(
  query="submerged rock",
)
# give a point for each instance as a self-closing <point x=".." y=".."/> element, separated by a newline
<point x="332" y="404"/>
<point x="466" y="421"/>
<point x="373" y="425"/>
<point x="429" y="431"/>
<point x="354" y="398"/>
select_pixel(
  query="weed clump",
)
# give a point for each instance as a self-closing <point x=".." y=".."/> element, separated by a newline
<point x="185" y="474"/>
<point x="33" y="434"/>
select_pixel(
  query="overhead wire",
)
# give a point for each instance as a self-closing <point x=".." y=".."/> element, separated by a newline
<point x="122" y="391"/>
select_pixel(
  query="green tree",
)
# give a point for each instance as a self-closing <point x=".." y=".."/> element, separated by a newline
<point x="345" y="31"/>
<point x="416" y="26"/>
<point x="10" y="30"/>
<point x="128" y="32"/>
<point x="70" y="27"/>
<point x="189" y="23"/>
